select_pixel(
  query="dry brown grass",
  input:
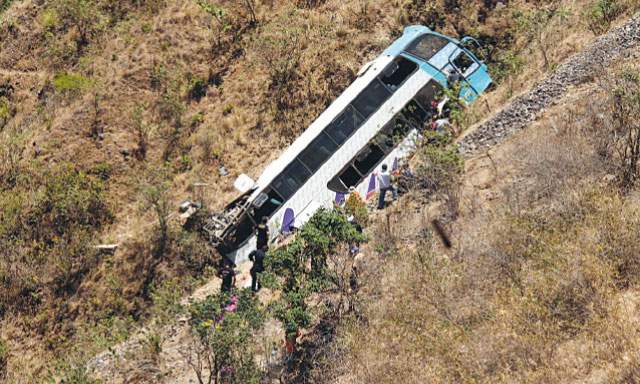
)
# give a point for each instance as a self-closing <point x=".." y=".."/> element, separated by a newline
<point x="148" y="58"/>
<point x="540" y="287"/>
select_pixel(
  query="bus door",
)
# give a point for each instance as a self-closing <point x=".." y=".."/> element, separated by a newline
<point x="470" y="71"/>
<point x="479" y="79"/>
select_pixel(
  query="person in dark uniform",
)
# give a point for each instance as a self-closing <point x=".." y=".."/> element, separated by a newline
<point x="262" y="234"/>
<point x="257" y="257"/>
<point x="228" y="276"/>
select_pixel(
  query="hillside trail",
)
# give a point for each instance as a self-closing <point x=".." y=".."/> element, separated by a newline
<point x="116" y="366"/>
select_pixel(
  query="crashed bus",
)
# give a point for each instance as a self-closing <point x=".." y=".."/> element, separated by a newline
<point x="374" y="121"/>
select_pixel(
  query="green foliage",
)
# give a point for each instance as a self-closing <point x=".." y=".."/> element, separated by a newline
<point x="194" y="252"/>
<point x="76" y="375"/>
<point x="4" y="356"/>
<point x="153" y="344"/>
<point x="6" y="111"/>
<point x="225" y="336"/>
<point x="166" y="300"/>
<point x="47" y="225"/>
<point x="197" y="88"/>
<point x="70" y="82"/>
<point x="508" y="63"/>
<point x="280" y="50"/>
<point x="618" y="139"/>
<point x="83" y="15"/>
<point x="5" y="4"/>
<point x="320" y="237"/>
<point x="601" y="14"/>
<point x="154" y="191"/>
<point x="102" y="170"/>
<point x="70" y="198"/>
<point x="50" y="19"/>
<point x="439" y="163"/>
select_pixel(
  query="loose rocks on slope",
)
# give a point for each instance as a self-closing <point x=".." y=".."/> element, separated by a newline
<point x="575" y="70"/>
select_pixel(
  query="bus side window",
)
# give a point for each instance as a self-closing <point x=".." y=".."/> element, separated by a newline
<point x="426" y="46"/>
<point x="414" y="114"/>
<point x="271" y="204"/>
<point x="427" y="94"/>
<point x="368" y="159"/>
<point x="397" y="72"/>
<point x="320" y="149"/>
<point x="350" y="177"/>
<point x="400" y="128"/>
<point x="369" y="100"/>
<point x="289" y="181"/>
<point x="344" y="125"/>
<point x="384" y="139"/>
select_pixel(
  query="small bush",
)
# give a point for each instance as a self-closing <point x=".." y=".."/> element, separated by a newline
<point x="4" y="356"/>
<point x="358" y="208"/>
<point x="601" y="14"/>
<point x="70" y="83"/>
<point x="197" y="89"/>
<point x="223" y="349"/>
<point x="102" y="170"/>
<point x="50" y="19"/>
<point x="6" y="111"/>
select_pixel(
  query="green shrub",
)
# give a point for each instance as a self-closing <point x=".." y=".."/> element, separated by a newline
<point x="197" y="89"/>
<point x="6" y="111"/>
<point x="224" y="337"/>
<point x="50" y="19"/>
<point x="439" y="164"/>
<point x="5" y="4"/>
<point x="601" y="14"/>
<point x="77" y="375"/>
<point x="102" y="170"/>
<point x="4" y="355"/>
<point x="70" y="83"/>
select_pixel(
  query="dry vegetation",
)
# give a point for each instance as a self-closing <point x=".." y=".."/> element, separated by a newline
<point x="542" y="283"/>
<point x="111" y="110"/>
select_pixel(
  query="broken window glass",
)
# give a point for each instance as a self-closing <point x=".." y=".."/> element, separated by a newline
<point x="414" y="114"/>
<point x="384" y="139"/>
<point x="269" y="206"/>
<point x="426" y="46"/>
<point x="371" y="98"/>
<point x="344" y="125"/>
<point x="318" y="152"/>
<point x="463" y="62"/>
<point x="398" y="128"/>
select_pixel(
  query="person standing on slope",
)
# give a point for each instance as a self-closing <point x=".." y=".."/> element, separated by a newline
<point x="385" y="180"/>
<point x="228" y="276"/>
<point x="262" y="234"/>
<point x="257" y="257"/>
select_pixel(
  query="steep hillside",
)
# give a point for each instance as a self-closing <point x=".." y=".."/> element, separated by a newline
<point x="110" y="111"/>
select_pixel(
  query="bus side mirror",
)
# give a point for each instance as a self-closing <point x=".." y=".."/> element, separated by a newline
<point x="243" y="183"/>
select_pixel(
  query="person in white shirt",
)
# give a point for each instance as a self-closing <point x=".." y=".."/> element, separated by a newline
<point x="385" y="180"/>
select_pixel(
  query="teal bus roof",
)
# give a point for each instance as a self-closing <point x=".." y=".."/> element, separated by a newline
<point x="408" y="35"/>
